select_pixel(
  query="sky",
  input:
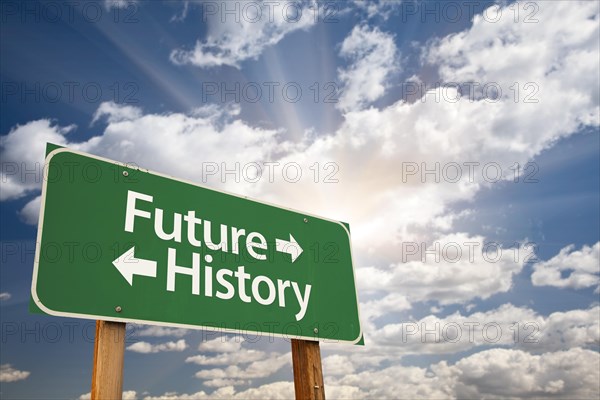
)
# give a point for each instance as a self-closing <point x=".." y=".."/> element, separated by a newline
<point x="459" y="140"/>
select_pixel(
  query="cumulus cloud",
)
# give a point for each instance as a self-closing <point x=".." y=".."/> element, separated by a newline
<point x="412" y="382"/>
<point x="505" y="326"/>
<point x="145" y="347"/>
<point x="270" y="391"/>
<point x="259" y="365"/>
<point x="127" y="395"/>
<point x="31" y="212"/>
<point x="373" y="147"/>
<point x="373" y="58"/>
<point x="246" y="35"/>
<point x="401" y="206"/>
<point x="502" y="373"/>
<point x="392" y="302"/>
<point x="22" y="154"/>
<point x="494" y="373"/>
<point x="4" y="296"/>
<point x="230" y="353"/>
<point x="224" y="382"/>
<point x="9" y="374"/>
<point x="109" y="4"/>
<point x="23" y="148"/>
<point x="116" y="113"/>
<point x="256" y="369"/>
<point x="398" y="143"/>
<point x="496" y="53"/>
<point x="582" y="268"/>
<point x="377" y="8"/>
<point x="454" y="269"/>
<point x="397" y="334"/>
<point x="337" y="365"/>
<point x="158" y="331"/>
<point x="242" y="356"/>
<point x="222" y="344"/>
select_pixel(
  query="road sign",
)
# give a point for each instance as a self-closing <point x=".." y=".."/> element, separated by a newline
<point x="119" y="243"/>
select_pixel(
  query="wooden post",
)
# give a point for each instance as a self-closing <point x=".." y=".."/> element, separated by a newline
<point x="308" y="373"/>
<point x="109" y="349"/>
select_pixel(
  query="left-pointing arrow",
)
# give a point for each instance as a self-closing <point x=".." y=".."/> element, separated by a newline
<point x="128" y="265"/>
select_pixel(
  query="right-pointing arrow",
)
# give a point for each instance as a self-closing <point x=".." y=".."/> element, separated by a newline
<point x="292" y="247"/>
<point x="128" y="265"/>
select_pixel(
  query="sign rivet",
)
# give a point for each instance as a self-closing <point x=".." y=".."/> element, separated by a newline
<point x="118" y="309"/>
<point x="305" y="220"/>
<point x="125" y="173"/>
<point x="316" y="330"/>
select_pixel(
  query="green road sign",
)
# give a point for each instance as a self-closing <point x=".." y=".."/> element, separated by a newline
<point x="124" y="244"/>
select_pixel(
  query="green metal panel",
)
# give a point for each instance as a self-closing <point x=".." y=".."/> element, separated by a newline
<point x="85" y="265"/>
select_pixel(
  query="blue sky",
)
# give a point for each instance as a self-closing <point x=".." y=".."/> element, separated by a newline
<point x="369" y="89"/>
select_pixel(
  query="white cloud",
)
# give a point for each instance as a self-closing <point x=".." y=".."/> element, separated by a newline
<point x="276" y="390"/>
<point x="494" y="373"/>
<point x="392" y="302"/>
<point x="373" y="58"/>
<point x="116" y="113"/>
<point x="127" y="395"/>
<point x="159" y="331"/>
<point x="371" y="148"/>
<point x="411" y="382"/>
<point x="108" y="4"/>
<point x="222" y="344"/>
<point x="4" y="296"/>
<point x="257" y="369"/>
<point x="505" y="326"/>
<point x="224" y="382"/>
<point x="231" y="354"/>
<point x="270" y="391"/>
<point x="559" y="52"/>
<point x="436" y="310"/>
<point x="126" y="138"/>
<point x="454" y="269"/>
<point x="31" y="212"/>
<point x="394" y="336"/>
<point x="242" y="356"/>
<point x="399" y="208"/>
<point x="182" y="15"/>
<point x="563" y="330"/>
<point x="501" y="373"/>
<point x="22" y="154"/>
<point x="260" y="25"/>
<point x="145" y="347"/>
<point x="582" y="266"/>
<point x="334" y="391"/>
<point x="374" y="8"/>
<point x="336" y="365"/>
<point x="9" y="374"/>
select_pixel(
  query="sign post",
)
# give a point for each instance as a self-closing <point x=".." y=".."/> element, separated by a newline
<point x="109" y="349"/>
<point x="308" y="371"/>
